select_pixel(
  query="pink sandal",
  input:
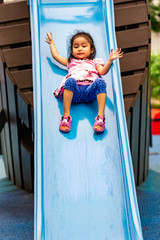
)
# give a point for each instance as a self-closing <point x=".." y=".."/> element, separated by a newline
<point x="65" y="121"/>
<point x="99" y="121"/>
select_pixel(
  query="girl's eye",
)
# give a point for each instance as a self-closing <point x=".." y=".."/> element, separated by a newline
<point x="84" y="46"/>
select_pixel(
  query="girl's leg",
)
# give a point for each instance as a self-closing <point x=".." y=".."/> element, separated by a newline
<point x="99" y="87"/>
<point x="98" y="90"/>
<point x="67" y="100"/>
<point x="101" y="99"/>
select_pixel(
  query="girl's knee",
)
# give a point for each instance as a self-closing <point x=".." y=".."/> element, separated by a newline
<point x="100" y="82"/>
<point x="70" y="82"/>
<point x="100" y="86"/>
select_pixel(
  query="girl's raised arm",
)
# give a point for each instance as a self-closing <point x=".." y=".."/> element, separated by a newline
<point x="54" y="51"/>
<point x="113" y="55"/>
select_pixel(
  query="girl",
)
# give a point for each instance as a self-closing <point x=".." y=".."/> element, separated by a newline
<point x="83" y="82"/>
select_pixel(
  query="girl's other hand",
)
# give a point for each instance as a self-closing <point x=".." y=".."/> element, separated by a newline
<point x="49" y="39"/>
<point x="114" y="55"/>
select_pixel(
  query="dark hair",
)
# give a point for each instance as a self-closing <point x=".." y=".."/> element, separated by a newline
<point x="88" y="37"/>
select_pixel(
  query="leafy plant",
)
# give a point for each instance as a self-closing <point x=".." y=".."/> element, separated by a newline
<point x="155" y="76"/>
<point x="155" y="16"/>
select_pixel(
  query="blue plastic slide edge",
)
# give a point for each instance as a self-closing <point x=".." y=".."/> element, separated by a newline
<point x="121" y="121"/>
<point x="38" y="125"/>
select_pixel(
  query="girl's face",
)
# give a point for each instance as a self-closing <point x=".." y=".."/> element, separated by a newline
<point x="81" y="48"/>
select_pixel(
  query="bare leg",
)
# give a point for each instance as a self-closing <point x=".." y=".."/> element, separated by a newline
<point x="67" y="100"/>
<point x="101" y="99"/>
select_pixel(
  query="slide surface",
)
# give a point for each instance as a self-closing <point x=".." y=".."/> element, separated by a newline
<point x="84" y="183"/>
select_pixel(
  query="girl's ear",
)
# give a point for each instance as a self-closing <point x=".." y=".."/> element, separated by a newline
<point x="92" y="50"/>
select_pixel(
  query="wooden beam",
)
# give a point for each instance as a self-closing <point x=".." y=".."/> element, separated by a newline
<point x="134" y="61"/>
<point x="23" y="78"/>
<point x="131" y="15"/>
<point x="18" y="56"/>
<point x="14" y="34"/>
<point x="131" y="83"/>
<point x="12" y="11"/>
<point x="133" y="38"/>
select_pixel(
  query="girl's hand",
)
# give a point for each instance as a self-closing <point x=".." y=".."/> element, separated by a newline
<point x="116" y="54"/>
<point x="49" y="39"/>
<point x="54" y="52"/>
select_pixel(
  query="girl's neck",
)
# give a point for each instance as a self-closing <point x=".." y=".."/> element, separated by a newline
<point x="80" y="58"/>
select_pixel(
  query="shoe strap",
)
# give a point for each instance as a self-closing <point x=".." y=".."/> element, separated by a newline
<point x="99" y="117"/>
<point x="66" y="118"/>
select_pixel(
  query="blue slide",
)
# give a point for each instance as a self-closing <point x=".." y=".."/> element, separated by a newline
<point x="84" y="182"/>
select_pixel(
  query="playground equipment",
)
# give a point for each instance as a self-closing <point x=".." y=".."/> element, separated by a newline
<point x="133" y="35"/>
<point x="93" y="179"/>
<point x="132" y="26"/>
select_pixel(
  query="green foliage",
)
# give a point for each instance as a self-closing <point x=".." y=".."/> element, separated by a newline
<point x="155" y="16"/>
<point x="155" y="76"/>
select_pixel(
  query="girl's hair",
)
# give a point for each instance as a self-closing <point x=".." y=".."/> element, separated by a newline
<point x="88" y="37"/>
